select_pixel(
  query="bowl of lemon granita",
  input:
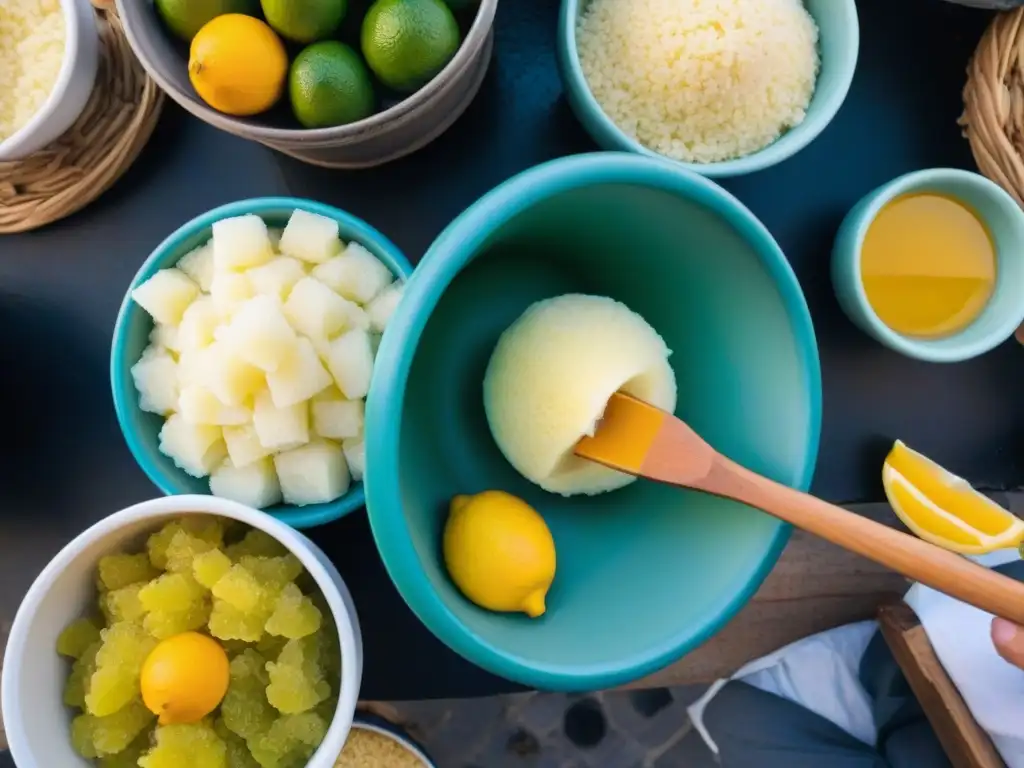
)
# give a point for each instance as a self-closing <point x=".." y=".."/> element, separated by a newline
<point x="49" y="54"/>
<point x="185" y="631"/>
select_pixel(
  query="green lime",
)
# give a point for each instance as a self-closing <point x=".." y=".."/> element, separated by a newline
<point x="407" y="42"/>
<point x="186" y="17"/>
<point x="329" y="85"/>
<point x="305" y="21"/>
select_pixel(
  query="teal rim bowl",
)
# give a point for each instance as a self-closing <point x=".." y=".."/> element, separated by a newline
<point x="131" y="335"/>
<point x="1005" y="220"/>
<point x="646" y="573"/>
<point x="838" y="47"/>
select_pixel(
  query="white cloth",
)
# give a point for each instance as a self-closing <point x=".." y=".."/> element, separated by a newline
<point x="992" y="689"/>
<point x="820" y="671"/>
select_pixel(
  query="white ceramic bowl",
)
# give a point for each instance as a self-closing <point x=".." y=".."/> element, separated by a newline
<point x="35" y="718"/>
<point x="71" y="91"/>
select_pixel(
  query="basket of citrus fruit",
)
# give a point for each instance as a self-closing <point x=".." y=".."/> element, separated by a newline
<point x="338" y="83"/>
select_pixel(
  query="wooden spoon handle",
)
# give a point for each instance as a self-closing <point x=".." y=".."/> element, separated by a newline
<point x="915" y="558"/>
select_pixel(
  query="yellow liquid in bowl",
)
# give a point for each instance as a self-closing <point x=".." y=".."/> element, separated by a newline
<point x="928" y="265"/>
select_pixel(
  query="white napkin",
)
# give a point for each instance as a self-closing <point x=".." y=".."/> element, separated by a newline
<point x="992" y="689"/>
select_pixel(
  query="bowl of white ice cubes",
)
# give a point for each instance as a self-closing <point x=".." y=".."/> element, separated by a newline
<point x="244" y="350"/>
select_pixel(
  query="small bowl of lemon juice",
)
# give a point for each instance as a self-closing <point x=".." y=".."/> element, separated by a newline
<point x="930" y="265"/>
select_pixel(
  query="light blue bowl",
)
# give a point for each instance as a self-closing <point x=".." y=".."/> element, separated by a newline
<point x="838" y="47"/>
<point x="131" y="335"/>
<point x="646" y="573"/>
<point x="1005" y="310"/>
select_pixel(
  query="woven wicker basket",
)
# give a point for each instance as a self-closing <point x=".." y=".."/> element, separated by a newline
<point x="993" y="119"/>
<point x="96" y="151"/>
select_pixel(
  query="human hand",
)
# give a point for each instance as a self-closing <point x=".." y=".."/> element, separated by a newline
<point x="1008" y="639"/>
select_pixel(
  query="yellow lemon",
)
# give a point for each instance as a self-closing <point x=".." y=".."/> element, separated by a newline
<point x="238" y="65"/>
<point x="499" y="552"/>
<point x="184" y="678"/>
<point x="944" y="509"/>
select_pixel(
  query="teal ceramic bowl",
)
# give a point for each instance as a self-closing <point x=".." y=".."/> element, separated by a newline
<point x="133" y="326"/>
<point x="838" y="46"/>
<point x="646" y="573"/>
<point x="1005" y="220"/>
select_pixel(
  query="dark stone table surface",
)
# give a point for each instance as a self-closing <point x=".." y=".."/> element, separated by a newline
<point x="63" y="464"/>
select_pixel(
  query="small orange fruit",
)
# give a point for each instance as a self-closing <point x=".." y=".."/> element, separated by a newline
<point x="238" y="65"/>
<point x="184" y="678"/>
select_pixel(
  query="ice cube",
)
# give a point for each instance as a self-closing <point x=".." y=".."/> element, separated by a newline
<point x="198" y="405"/>
<point x="260" y="334"/>
<point x="357" y="274"/>
<point x="254" y="485"/>
<point x="299" y="378"/>
<point x="244" y="446"/>
<point x="280" y="429"/>
<point x="355" y="455"/>
<point x="166" y="295"/>
<point x="315" y="310"/>
<point x="195" y="448"/>
<point x="313" y="474"/>
<point x="310" y="237"/>
<point x="198" y="265"/>
<point x="240" y="242"/>
<point x="230" y="290"/>
<point x="156" y="380"/>
<point x="228" y="376"/>
<point x="277" y="277"/>
<point x="384" y="305"/>
<point x="337" y="418"/>
<point x="198" y="324"/>
<point x="350" y="360"/>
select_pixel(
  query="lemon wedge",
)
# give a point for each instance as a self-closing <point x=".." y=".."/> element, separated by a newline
<point x="944" y="509"/>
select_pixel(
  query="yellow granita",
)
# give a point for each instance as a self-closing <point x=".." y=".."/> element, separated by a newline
<point x="238" y="751"/>
<point x="209" y="529"/>
<point x="256" y="544"/>
<point x="240" y="589"/>
<point x="93" y="736"/>
<point x="297" y="679"/>
<point x="115" y="681"/>
<point x="81" y="672"/>
<point x="209" y="567"/>
<point x="273" y="571"/>
<point x="229" y="623"/>
<point x="270" y="646"/>
<point x="195" y="745"/>
<point x="165" y="624"/>
<point x="289" y="742"/>
<point x="294" y="615"/>
<point x="245" y="709"/>
<point x="122" y="604"/>
<point x="175" y="603"/>
<point x="117" y="571"/>
<point x="77" y="637"/>
<point x="172" y="592"/>
<point x="129" y="757"/>
<point x="183" y="549"/>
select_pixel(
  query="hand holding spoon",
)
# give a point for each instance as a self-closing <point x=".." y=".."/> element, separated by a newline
<point x="639" y="439"/>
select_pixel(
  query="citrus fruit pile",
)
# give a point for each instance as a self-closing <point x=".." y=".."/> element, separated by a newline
<point x="203" y="651"/>
<point x="335" y="63"/>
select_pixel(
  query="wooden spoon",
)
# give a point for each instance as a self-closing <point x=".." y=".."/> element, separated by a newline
<point x="639" y="439"/>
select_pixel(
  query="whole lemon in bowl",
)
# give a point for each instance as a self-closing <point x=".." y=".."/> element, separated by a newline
<point x="238" y="65"/>
<point x="499" y="552"/>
